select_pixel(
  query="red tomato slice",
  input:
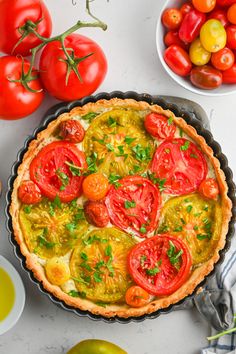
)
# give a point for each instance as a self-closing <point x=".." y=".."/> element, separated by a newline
<point x="180" y="164"/>
<point x="134" y="206"/>
<point x="159" y="126"/>
<point x="160" y="264"/>
<point x="49" y="170"/>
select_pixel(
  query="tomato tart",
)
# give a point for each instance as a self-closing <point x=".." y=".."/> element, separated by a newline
<point x="120" y="208"/>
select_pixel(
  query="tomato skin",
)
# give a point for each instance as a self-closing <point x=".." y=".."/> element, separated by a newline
<point x="49" y="161"/>
<point x="231" y="14"/>
<point x="178" y="60"/>
<point x="225" y="2"/>
<point x="96" y="346"/>
<point x="171" y="18"/>
<point x="71" y="130"/>
<point x="204" y="6"/>
<point x="157" y="125"/>
<point x="15" y="101"/>
<point x="186" y="8"/>
<point x="209" y="188"/>
<point x="155" y="250"/>
<point x="13" y="15"/>
<point x="206" y="77"/>
<point x="223" y="59"/>
<point x="96" y="213"/>
<point x="219" y="15"/>
<point x="29" y="193"/>
<point x="53" y="71"/>
<point x="231" y="37"/>
<point x="198" y="54"/>
<point x="229" y="76"/>
<point x="136" y="296"/>
<point x="172" y="37"/>
<point x="95" y="186"/>
<point x="191" y="25"/>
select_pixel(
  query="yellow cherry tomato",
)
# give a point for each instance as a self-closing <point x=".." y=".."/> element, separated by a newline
<point x="96" y="346"/>
<point x="213" y="35"/>
<point x="57" y="271"/>
<point x="198" y="54"/>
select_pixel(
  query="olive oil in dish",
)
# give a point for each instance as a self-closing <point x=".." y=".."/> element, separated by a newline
<point x="7" y="294"/>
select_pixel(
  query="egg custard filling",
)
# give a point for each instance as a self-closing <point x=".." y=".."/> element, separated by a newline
<point x="120" y="208"/>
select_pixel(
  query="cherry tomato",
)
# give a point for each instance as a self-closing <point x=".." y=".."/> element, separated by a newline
<point x="134" y="206"/>
<point x="206" y="77"/>
<point x="136" y="296"/>
<point x="209" y="188"/>
<point x="191" y="25"/>
<point x="71" y="130"/>
<point x="15" y="100"/>
<point x="180" y="164"/>
<point x="54" y="67"/>
<point x="229" y="76"/>
<point x="223" y="59"/>
<point x="95" y="186"/>
<point x="29" y="193"/>
<point x="159" y="126"/>
<point x="53" y="168"/>
<point x="225" y="2"/>
<point x="198" y="54"/>
<point x="160" y="264"/>
<point x="204" y="6"/>
<point x="186" y="8"/>
<point x="231" y="36"/>
<point x="178" y="60"/>
<point x="219" y="15"/>
<point x="15" y="16"/>
<point x="172" y="37"/>
<point x="213" y="35"/>
<point x="172" y="18"/>
<point x="231" y="14"/>
<point x="96" y="346"/>
<point x="96" y="213"/>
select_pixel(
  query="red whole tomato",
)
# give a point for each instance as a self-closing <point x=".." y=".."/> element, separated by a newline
<point x="172" y="37"/>
<point x="209" y="188"/>
<point x="29" y="193"/>
<point x="206" y="77"/>
<point x="229" y="76"/>
<point x="15" y="100"/>
<point x="15" y="16"/>
<point x="172" y="18"/>
<point x="220" y="15"/>
<point x="71" y="130"/>
<point x="225" y="2"/>
<point x="231" y="14"/>
<point x="223" y="59"/>
<point x="159" y="126"/>
<point x="52" y="170"/>
<point x="178" y="60"/>
<point x="186" y="8"/>
<point x="89" y="60"/>
<point x="160" y="264"/>
<point x="134" y="206"/>
<point x="231" y="37"/>
<point x="191" y="25"/>
<point x="180" y="164"/>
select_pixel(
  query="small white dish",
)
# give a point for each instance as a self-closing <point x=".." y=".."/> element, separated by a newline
<point x="184" y="82"/>
<point x="19" y="302"/>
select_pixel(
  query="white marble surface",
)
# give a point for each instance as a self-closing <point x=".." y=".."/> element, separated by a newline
<point x="133" y="65"/>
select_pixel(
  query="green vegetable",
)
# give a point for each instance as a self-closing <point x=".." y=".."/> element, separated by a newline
<point x="96" y="346"/>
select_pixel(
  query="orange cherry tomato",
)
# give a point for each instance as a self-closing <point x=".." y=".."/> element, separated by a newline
<point x="204" y="6"/>
<point x="172" y="18"/>
<point x="29" y="193"/>
<point x="95" y="186"/>
<point x="136" y="296"/>
<point x="223" y="59"/>
<point x="209" y="188"/>
<point x="71" y="130"/>
<point x="231" y="14"/>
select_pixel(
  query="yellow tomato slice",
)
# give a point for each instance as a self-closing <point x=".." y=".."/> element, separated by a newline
<point x="196" y="221"/>
<point x="52" y="230"/>
<point x="99" y="265"/>
<point x="118" y="143"/>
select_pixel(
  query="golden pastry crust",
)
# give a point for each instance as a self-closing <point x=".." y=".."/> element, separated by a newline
<point x="196" y="277"/>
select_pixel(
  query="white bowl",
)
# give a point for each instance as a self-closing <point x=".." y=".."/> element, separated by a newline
<point x="19" y="303"/>
<point x="185" y="82"/>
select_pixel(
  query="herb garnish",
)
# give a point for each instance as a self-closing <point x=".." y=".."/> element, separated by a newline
<point x="128" y="140"/>
<point x="185" y="146"/>
<point x="43" y="242"/>
<point x="129" y="204"/>
<point x="90" y="116"/>
<point x="173" y="254"/>
<point x="113" y="179"/>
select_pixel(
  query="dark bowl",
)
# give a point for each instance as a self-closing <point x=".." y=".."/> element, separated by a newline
<point x="187" y="114"/>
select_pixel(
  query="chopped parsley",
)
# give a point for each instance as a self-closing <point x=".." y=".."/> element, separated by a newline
<point x="128" y="140"/>
<point x="160" y="182"/>
<point x="111" y="122"/>
<point x="152" y="271"/>
<point x="90" y="116"/>
<point x="91" y="161"/>
<point x="185" y="146"/>
<point x="173" y="254"/>
<point x="75" y="170"/>
<point x="56" y="203"/>
<point x="108" y="251"/>
<point x="64" y="179"/>
<point x="84" y="256"/>
<point x="181" y="132"/>
<point x="113" y="179"/>
<point x="27" y="209"/>
<point x="143" y="229"/>
<point x="42" y="240"/>
<point x="75" y="293"/>
<point x="141" y="153"/>
<point x="110" y="147"/>
<point x="92" y="239"/>
<point x="70" y="227"/>
<point x="203" y="236"/>
<point x="170" y="120"/>
<point x="178" y="229"/>
<point x="194" y="156"/>
<point x="143" y="258"/>
<point x="130" y="204"/>
<point x="97" y="277"/>
<point x="189" y="208"/>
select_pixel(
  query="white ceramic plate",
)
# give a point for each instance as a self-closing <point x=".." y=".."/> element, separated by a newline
<point x="185" y="82"/>
<point x="19" y="303"/>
